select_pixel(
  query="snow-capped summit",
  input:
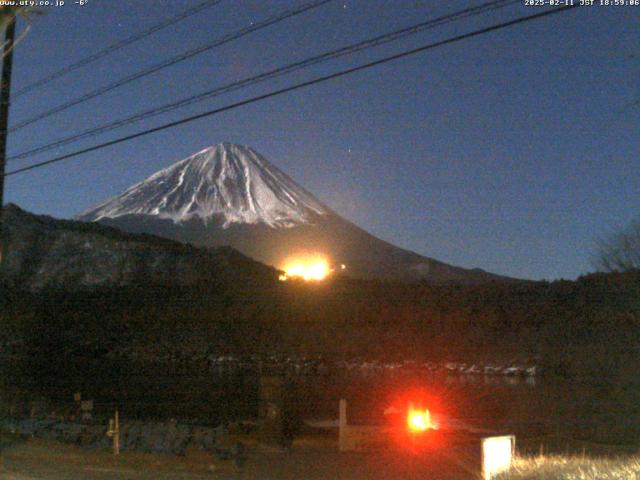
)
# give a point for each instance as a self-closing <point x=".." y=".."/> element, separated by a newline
<point x="224" y="184"/>
<point x="229" y="195"/>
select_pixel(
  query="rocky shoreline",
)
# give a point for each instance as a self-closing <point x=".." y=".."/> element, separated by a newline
<point x="170" y="437"/>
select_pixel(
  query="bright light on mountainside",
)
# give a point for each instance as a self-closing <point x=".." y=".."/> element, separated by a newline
<point x="309" y="269"/>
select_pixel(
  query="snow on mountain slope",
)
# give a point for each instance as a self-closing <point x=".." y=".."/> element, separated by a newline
<point x="229" y="195"/>
<point x="226" y="183"/>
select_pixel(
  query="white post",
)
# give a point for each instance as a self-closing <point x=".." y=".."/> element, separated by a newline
<point x="497" y="455"/>
<point x="114" y="432"/>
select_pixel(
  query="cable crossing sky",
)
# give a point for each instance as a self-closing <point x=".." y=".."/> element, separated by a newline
<point x="171" y="62"/>
<point x="115" y="47"/>
<point x="275" y="73"/>
<point x="298" y="86"/>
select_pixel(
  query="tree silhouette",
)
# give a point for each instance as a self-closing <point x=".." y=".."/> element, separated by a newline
<point x="620" y="251"/>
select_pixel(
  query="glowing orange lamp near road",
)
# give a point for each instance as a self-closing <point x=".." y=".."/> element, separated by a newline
<point x="309" y="269"/>
<point x="420" y="421"/>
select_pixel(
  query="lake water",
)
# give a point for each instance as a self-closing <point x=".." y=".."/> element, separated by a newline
<point x="584" y="409"/>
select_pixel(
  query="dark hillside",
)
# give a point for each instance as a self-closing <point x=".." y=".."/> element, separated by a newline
<point x="47" y="253"/>
<point x="588" y="326"/>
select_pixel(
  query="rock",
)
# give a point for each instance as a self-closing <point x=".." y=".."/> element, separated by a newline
<point x="170" y="437"/>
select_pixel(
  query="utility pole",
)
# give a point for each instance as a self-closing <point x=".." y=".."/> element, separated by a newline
<point x="5" y="93"/>
<point x="5" y="96"/>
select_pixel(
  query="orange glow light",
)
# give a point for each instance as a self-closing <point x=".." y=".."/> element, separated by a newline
<point x="310" y="268"/>
<point x="420" y="421"/>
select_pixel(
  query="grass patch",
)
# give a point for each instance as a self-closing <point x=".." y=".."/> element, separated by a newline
<point x="574" y="467"/>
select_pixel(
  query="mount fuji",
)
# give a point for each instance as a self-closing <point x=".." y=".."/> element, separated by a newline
<point x="229" y="194"/>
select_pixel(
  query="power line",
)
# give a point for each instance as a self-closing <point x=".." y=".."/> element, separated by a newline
<point x="250" y="81"/>
<point x="297" y="86"/>
<point x="172" y="61"/>
<point x="116" y="46"/>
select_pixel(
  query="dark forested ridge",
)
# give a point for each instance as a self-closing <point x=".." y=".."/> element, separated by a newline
<point x="591" y="325"/>
<point x="43" y="253"/>
<point x="78" y="290"/>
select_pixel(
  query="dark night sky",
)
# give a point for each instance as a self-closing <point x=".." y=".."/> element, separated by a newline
<point x="511" y="152"/>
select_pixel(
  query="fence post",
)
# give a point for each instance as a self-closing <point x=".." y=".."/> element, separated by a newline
<point x="343" y="436"/>
<point x="114" y="432"/>
<point x="116" y="436"/>
<point x="272" y="410"/>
